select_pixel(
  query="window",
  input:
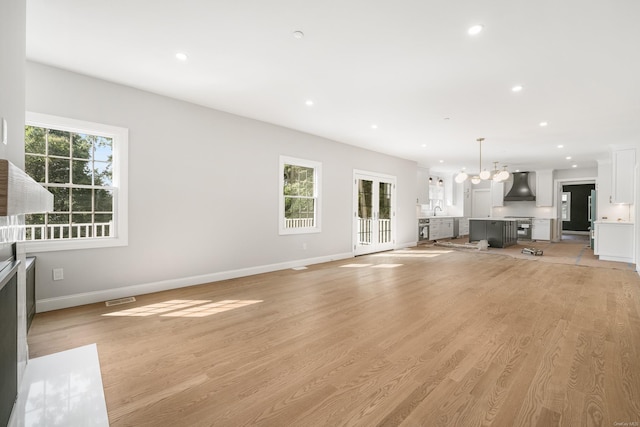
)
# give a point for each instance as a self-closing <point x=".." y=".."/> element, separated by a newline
<point x="299" y="196"/>
<point x="84" y="166"/>
<point x="436" y="193"/>
<point x="566" y="206"/>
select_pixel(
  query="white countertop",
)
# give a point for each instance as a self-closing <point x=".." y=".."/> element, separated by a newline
<point x="494" y="219"/>
<point x="438" y="216"/>
<point x="610" y="221"/>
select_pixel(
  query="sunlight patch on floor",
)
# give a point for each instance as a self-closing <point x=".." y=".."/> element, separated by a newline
<point x="183" y="308"/>
<point x="157" y="308"/>
<point x="370" y="265"/>
<point x="410" y="254"/>
<point x="209" y="309"/>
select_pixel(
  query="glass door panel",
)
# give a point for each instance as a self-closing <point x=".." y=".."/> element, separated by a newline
<point x="384" y="212"/>
<point x="374" y="222"/>
<point x="365" y="212"/>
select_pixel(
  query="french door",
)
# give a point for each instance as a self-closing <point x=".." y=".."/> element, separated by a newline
<point x="374" y="224"/>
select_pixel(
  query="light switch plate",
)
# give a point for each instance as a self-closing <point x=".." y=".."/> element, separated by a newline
<point x="4" y="131"/>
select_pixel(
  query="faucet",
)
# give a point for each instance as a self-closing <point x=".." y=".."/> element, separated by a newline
<point x="434" y="210"/>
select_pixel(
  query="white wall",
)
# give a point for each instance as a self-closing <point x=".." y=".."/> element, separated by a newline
<point x="577" y="174"/>
<point x="203" y="192"/>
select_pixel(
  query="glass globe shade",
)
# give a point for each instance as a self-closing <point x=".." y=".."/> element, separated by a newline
<point x="504" y="175"/>
<point x="476" y="180"/>
<point x="461" y="177"/>
<point x="485" y="174"/>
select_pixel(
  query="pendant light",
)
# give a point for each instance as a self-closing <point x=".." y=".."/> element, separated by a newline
<point x="461" y="177"/>
<point x="484" y="174"/>
<point x="504" y="174"/>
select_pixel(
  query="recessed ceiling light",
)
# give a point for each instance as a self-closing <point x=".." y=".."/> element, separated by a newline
<point x="574" y="166"/>
<point x="441" y="161"/>
<point x="543" y="124"/>
<point x="309" y="102"/>
<point x="180" y="56"/>
<point x="516" y="88"/>
<point x="475" y="30"/>
<point x="374" y="126"/>
<point x="560" y="146"/>
<point x="424" y="145"/>
<point x="464" y="168"/>
<point x="568" y="157"/>
<point x="298" y="34"/>
<point x="517" y="170"/>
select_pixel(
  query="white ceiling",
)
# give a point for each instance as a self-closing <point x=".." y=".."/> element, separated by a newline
<point x="407" y="66"/>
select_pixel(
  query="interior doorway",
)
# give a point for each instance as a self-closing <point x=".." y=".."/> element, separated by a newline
<point x="575" y="212"/>
<point x="374" y="225"/>
<point x="576" y="209"/>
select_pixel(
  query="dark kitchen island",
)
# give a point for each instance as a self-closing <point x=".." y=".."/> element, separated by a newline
<point x="499" y="232"/>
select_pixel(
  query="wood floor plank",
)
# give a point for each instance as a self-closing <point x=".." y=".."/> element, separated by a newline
<point x="444" y="338"/>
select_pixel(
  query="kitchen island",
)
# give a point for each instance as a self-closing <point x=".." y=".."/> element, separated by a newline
<point x="499" y="232"/>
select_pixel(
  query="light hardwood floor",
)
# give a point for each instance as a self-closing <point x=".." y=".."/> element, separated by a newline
<point x="421" y="337"/>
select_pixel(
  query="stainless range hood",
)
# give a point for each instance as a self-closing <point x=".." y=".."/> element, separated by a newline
<point x="520" y="191"/>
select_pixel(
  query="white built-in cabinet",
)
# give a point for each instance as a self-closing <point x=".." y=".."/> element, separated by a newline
<point x="497" y="194"/>
<point x="422" y="197"/>
<point x="440" y="228"/>
<point x="541" y="229"/>
<point x="614" y="241"/>
<point x="544" y="188"/>
<point x="623" y="183"/>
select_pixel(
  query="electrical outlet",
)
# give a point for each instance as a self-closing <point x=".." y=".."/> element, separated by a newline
<point x="58" y="274"/>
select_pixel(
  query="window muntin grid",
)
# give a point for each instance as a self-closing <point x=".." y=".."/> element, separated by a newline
<point x="77" y="168"/>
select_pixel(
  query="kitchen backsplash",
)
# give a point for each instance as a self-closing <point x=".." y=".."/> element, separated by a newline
<point x="528" y="209"/>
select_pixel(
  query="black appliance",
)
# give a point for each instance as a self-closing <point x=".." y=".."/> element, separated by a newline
<point x="523" y="227"/>
<point x="423" y="229"/>
<point x="8" y="331"/>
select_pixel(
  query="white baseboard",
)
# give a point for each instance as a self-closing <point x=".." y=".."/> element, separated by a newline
<point x="74" y="300"/>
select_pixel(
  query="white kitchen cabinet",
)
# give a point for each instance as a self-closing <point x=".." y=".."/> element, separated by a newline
<point x="440" y="228"/>
<point x="497" y="194"/>
<point x="541" y="229"/>
<point x="544" y="188"/>
<point x="614" y="241"/>
<point x="624" y="163"/>
<point x="422" y="197"/>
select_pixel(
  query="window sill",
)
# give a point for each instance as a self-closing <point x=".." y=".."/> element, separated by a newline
<point x="75" y="244"/>
<point x="287" y="231"/>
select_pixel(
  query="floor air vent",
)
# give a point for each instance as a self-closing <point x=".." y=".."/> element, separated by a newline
<point x="119" y="301"/>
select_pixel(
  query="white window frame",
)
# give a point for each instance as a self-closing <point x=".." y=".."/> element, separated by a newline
<point x="120" y="164"/>
<point x="317" y="180"/>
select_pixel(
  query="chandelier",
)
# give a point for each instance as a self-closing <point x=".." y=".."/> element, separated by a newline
<point x="483" y="175"/>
